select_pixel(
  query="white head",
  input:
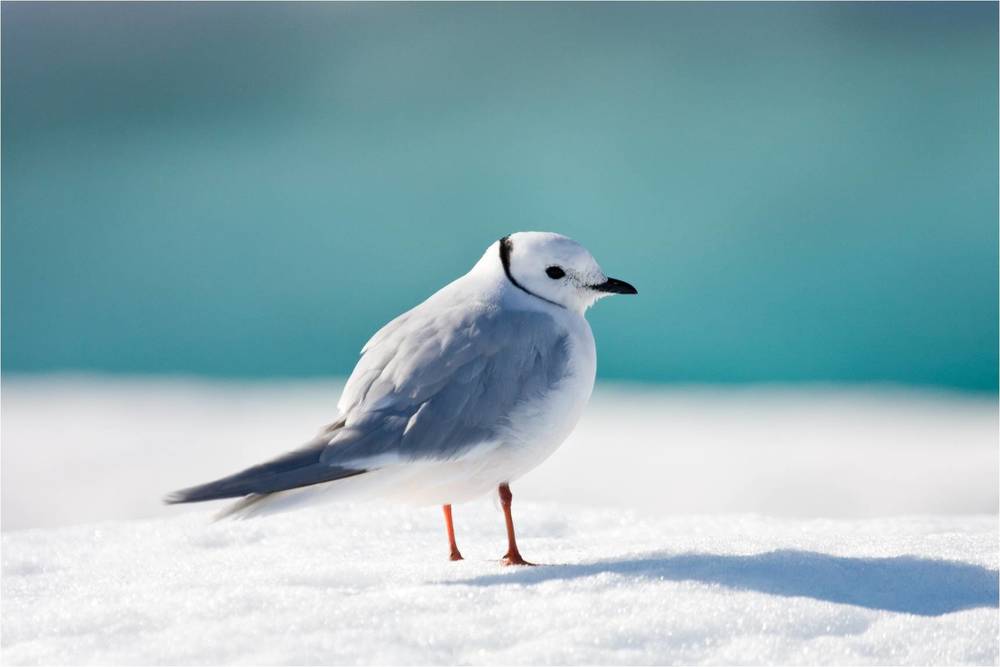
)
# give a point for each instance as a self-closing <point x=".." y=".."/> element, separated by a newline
<point x="556" y="269"/>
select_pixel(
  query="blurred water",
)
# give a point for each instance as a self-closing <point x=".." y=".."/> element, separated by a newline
<point x="800" y="191"/>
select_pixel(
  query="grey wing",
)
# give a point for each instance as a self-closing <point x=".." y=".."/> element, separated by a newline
<point x="436" y="384"/>
<point x="430" y="385"/>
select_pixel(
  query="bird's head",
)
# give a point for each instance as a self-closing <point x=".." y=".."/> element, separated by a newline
<point x="557" y="269"/>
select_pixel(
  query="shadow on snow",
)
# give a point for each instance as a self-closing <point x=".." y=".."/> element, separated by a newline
<point x="904" y="583"/>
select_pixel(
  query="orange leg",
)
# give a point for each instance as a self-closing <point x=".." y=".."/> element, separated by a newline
<point x="513" y="556"/>
<point x="455" y="555"/>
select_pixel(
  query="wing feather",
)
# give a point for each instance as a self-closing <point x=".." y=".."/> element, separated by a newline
<point x="431" y="385"/>
<point x="437" y="383"/>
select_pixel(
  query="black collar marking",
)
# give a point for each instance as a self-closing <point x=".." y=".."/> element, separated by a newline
<point x="506" y="247"/>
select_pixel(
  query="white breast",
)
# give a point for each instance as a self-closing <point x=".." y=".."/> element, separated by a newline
<point x="539" y="427"/>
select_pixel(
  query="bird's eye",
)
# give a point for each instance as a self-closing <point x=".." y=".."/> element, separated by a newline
<point x="554" y="272"/>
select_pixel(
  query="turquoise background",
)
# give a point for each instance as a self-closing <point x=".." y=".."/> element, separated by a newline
<point x="801" y="192"/>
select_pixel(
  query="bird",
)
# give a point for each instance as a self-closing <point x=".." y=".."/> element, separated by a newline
<point x="459" y="396"/>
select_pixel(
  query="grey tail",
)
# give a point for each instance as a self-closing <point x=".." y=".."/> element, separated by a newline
<point x="296" y="469"/>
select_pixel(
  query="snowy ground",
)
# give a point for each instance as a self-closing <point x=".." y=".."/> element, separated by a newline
<point x="371" y="585"/>
<point x="641" y="520"/>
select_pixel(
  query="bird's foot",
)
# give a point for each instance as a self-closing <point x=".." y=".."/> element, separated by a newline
<point x="515" y="559"/>
<point x="455" y="555"/>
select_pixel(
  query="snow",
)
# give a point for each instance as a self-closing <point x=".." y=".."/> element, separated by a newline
<point x="676" y="527"/>
<point x="370" y="584"/>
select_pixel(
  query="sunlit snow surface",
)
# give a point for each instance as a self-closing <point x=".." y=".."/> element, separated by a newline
<point x="371" y="585"/>
<point x="640" y="519"/>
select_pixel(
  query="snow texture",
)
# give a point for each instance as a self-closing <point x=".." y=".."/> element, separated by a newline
<point x="641" y="519"/>
<point x="370" y="585"/>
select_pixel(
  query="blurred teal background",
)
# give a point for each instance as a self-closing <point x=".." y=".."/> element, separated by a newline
<point x="801" y="192"/>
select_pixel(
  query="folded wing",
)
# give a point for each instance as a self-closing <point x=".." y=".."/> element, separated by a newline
<point x="435" y="383"/>
<point x="431" y="385"/>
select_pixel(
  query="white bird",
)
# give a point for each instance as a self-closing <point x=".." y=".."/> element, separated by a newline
<point x="459" y="396"/>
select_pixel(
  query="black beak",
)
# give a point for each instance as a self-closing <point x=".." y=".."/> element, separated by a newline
<point x="615" y="286"/>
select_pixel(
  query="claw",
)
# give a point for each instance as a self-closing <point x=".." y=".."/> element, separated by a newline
<point x="515" y="559"/>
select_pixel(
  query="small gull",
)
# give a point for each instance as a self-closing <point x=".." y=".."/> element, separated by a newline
<point x="461" y="395"/>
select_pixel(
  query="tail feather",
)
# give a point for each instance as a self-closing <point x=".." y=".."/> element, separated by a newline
<point x="296" y="469"/>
